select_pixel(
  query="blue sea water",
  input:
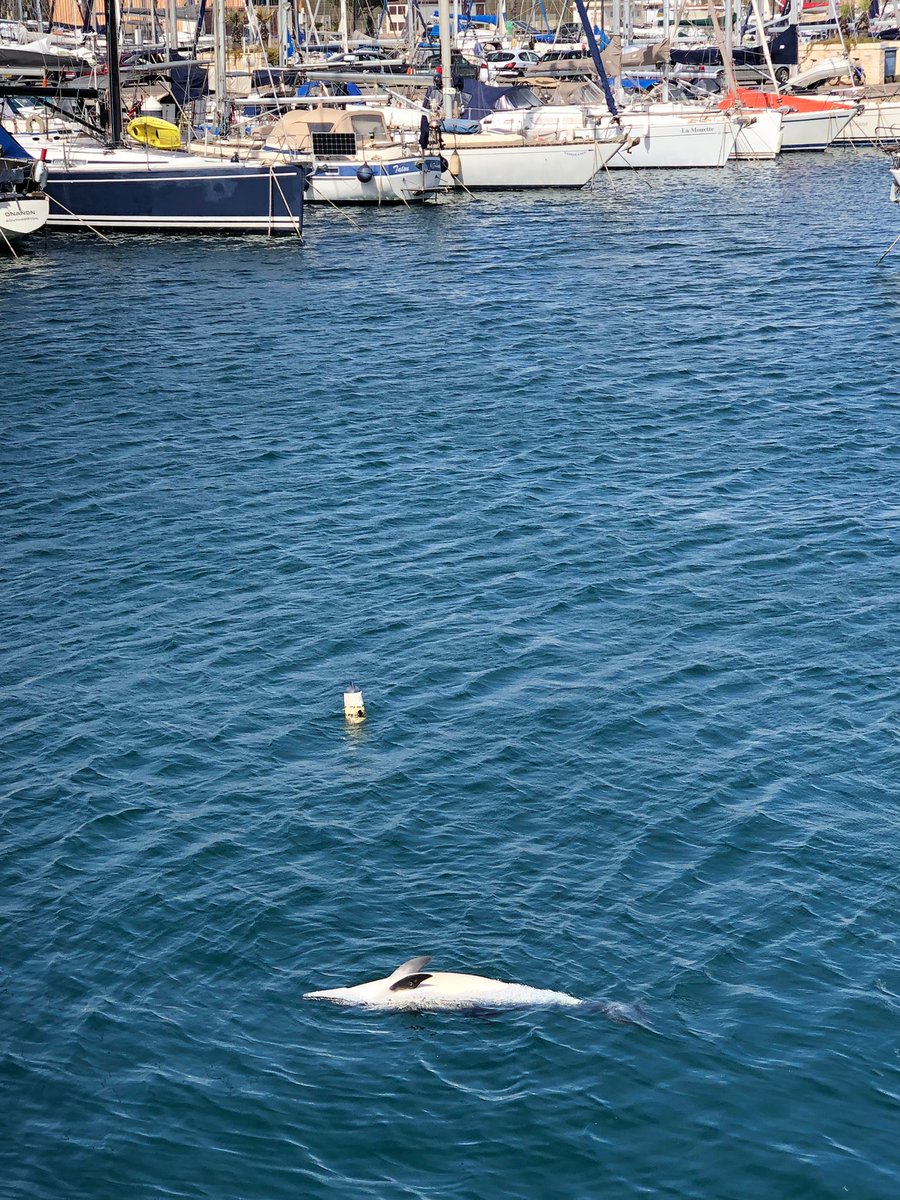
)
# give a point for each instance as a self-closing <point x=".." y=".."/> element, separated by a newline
<point x="597" y="497"/>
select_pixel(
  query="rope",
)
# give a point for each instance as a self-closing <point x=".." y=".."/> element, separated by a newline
<point x="69" y="212"/>
<point x="628" y="143"/>
<point x="9" y="244"/>
<point x="339" y="210"/>
<point x="889" y="249"/>
<point x="294" y="221"/>
<point x="457" y="183"/>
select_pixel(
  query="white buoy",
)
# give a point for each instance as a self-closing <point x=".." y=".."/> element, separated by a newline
<point x="354" y="708"/>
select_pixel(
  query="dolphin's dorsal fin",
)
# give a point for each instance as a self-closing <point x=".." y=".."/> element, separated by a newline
<point x="408" y="982"/>
<point x="409" y="968"/>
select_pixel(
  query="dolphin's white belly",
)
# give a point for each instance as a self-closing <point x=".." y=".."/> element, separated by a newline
<point x="418" y="990"/>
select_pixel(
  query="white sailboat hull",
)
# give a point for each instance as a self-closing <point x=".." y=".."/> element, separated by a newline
<point x="21" y="215"/>
<point x="759" y="135"/>
<point x="674" y="139"/>
<point x="491" y="163"/>
<point x="878" y="124"/>
<point x="407" y="184"/>
<point x="813" y="130"/>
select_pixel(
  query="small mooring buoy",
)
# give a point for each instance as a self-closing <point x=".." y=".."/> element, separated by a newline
<point x="354" y="708"/>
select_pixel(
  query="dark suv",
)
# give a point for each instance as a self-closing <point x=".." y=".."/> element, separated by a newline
<point x="750" y="65"/>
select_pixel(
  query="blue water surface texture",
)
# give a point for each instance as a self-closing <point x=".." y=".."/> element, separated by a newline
<point x="597" y="498"/>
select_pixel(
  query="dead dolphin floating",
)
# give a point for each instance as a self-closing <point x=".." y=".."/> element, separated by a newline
<point x="412" y="989"/>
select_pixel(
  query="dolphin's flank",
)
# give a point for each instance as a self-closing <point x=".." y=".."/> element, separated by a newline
<point x="412" y="988"/>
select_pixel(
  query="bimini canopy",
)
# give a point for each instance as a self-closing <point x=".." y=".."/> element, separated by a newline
<point x="479" y="99"/>
<point x="329" y="131"/>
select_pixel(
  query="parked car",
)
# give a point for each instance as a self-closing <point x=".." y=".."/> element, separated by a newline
<point x="706" y="62"/>
<point x="508" y="64"/>
<point x="561" y="64"/>
<point x="460" y="66"/>
<point x="357" y="60"/>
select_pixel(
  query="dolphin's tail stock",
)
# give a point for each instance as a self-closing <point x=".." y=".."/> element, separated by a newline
<point x="622" y="1014"/>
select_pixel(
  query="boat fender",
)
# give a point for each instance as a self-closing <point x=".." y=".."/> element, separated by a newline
<point x="454" y="166"/>
<point x="365" y="173"/>
<point x="445" y="166"/>
<point x="40" y="173"/>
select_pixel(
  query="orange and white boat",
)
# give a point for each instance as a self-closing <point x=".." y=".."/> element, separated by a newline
<point x="807" y="123"/>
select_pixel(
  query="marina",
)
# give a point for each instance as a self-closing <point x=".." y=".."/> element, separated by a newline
<point x="215" y="139"/>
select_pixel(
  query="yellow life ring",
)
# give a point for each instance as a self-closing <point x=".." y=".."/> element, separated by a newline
<point x="151" y="131"/>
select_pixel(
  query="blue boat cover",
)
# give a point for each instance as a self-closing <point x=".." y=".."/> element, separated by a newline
<point x="459" y="125"/>
<point x="479" y="99"/>
<point x="9" y="147"/>
<point x="315" y="87"/>
<point x="188" y="83"/>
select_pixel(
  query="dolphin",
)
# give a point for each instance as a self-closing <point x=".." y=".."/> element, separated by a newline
<point x="412" y="989"/>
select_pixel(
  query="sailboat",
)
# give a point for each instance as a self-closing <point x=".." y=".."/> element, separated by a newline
<point x="524" y="154"/>
<point x="24" y="206"/>
<point x="876" y="121"/>
<point x="663" y="132"/>
<point x="759" y="131"/>
<point x="110" y="185"/>
<point x="349" y="153"/>
<point x="642" y="134"/>
<point x="807" y="123"/>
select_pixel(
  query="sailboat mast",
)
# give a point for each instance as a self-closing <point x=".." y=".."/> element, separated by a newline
<point x="112" y="62"/>
<point x="764" y="41"/>
<point x="727" y="58"/>
<point x="667" y="33"/>
<point x="171" y="28"/>
<point x="220" y="57"/>
<point x="594" y="49"/>
<point x="729" y="29"/>
<point x="446" y="57"/>
<point x="410" y="30"/>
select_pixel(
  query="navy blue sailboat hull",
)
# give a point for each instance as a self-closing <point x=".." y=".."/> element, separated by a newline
<point x="188" y="196"/>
